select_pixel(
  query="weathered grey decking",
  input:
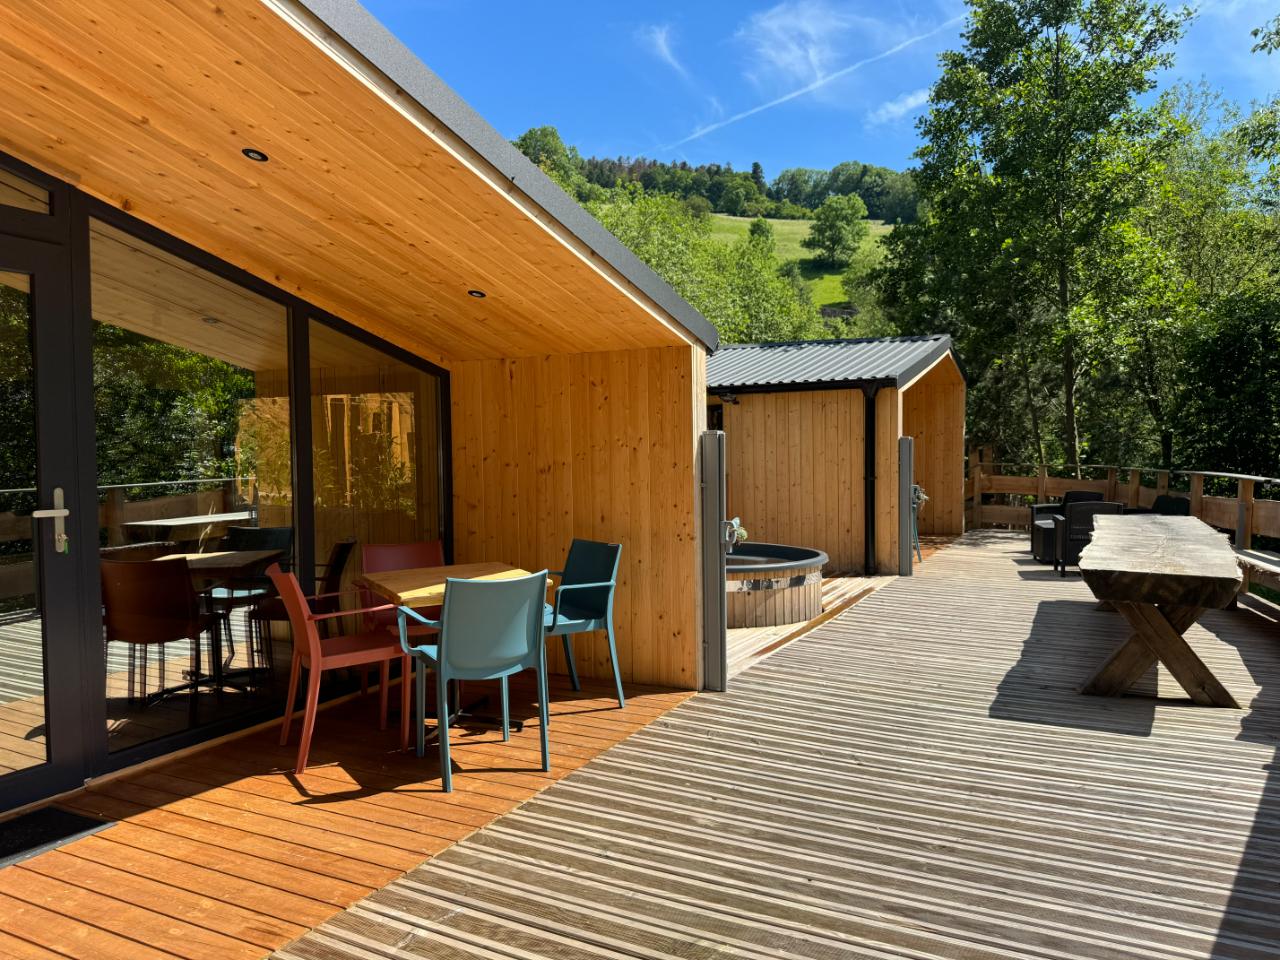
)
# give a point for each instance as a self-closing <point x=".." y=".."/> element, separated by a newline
<point x="917" y="779"/>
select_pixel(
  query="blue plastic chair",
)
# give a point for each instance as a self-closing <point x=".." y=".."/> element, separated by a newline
<point x="488" y="630"/>
<point x="584" y="601"/>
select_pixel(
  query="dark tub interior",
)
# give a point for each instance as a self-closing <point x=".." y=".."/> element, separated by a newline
<point x="760" y="557"/>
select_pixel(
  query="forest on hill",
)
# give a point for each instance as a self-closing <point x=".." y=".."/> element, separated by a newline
<point x="1106" y="256"/>
<point x="794" y="194"/>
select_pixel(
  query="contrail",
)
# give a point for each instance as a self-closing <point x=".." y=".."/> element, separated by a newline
<point x="820" y="82"/>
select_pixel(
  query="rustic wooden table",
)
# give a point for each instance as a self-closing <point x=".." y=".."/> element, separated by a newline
<point x="1160" y="573"/>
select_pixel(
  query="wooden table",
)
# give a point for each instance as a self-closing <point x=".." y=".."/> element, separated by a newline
<point x="226" y="564"/>
<point x="424" y="586"/>
<point x="1160" y="573"/>
<point x="166" y="527"/>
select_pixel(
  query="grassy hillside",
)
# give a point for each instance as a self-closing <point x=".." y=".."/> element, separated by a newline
<point x="787" y="234"/>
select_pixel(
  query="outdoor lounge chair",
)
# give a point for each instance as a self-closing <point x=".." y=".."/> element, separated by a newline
<point x="1073" y="529"/>
<point x="584" y="602"/>
<point x="489" y="630"/>
<point x="1042" y="514"/>
<point x="1167" y="505"/>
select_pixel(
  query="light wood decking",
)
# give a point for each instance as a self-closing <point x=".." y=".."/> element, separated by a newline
<point x="223" y="854"/>
<point x="915" y="779"/>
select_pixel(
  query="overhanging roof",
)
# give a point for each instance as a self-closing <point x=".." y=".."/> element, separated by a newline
<point x="385" y="198"/>
<point x="817" y="364"/>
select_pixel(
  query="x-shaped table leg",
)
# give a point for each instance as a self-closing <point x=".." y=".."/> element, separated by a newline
<point x="1157" y="636"/>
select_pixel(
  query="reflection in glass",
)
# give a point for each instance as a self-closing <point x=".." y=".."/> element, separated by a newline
<point x="375" y="424"/>
<point x="20" y="193"/>
<point x="192" y="428"/>
<point x="22" y="655"/>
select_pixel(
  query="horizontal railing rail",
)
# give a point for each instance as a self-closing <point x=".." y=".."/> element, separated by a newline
<point x="995" y="497"/>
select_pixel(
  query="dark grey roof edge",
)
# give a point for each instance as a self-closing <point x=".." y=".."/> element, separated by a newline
<point x="906" y="375"/>
<point x="366" y="34"/>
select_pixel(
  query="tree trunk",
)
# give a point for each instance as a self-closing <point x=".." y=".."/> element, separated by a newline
<point x="1166" y="449"/>
<point x="1071" y="438"/>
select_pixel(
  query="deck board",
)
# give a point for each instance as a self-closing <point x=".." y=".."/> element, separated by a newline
<point x="916" y="778"/>
<point x="226" y="853"/>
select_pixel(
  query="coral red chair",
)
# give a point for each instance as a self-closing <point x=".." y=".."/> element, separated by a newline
<point x="349" y="650"/>
<point x="382" y="557"/>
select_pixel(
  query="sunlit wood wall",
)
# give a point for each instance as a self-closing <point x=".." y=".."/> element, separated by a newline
<point x="794" y="468"/>
<point x="600" y="446"/>
<point x="933" y="413"/>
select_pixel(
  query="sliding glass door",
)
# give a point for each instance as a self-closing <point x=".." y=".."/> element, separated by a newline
<point x="170" y="427"/>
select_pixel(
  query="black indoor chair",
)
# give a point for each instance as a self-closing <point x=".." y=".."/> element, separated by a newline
<point x="250" y="589"/>
<point x="1073" y="529"/>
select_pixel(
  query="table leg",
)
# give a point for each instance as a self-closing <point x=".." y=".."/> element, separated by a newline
<point x="1158" y="637"/>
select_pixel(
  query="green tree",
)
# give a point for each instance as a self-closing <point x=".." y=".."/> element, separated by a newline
<point x="761" y="231"/>
<point x="838" y="229"/>
<point x="1035" y="144"/>
<point x="757" y="177"/>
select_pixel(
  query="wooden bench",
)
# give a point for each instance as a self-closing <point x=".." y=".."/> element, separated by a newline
<point x="1259" y="566"/>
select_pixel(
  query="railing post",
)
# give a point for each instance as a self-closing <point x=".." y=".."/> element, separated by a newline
<point x="1162" y="482"/>
<point x="1197" y="494"/>
<point x="1244" y="514"/>
<point x="977" y="497"/>
<point x="1042" y="484"/>
<point x="1112" y="484"/>
<point x="1135" y="487"/>
<point x="113" y="517"/>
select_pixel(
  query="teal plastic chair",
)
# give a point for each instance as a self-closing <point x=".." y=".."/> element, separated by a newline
<point x="584" y="601"/>
<point x="488" y="630"/>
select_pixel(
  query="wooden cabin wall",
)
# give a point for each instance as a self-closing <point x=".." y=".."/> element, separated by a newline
<point x="933" y="413"/>
<point x="600" y="446"/>
<point x="888" y="430"/>
<point x="795" y="476"/>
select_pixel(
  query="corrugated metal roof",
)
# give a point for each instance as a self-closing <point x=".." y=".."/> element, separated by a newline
<point x="889" y="361"/>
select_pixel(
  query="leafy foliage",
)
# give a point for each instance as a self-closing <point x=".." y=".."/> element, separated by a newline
<point x="735" y="286"/>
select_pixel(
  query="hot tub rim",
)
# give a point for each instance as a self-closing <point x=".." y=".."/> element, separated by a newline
<point x="802" y="558"/>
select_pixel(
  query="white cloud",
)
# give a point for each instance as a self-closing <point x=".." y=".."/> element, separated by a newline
<point x="657" y="39"/>
<point x="899" y="107"/>
<point x="820" y="80"/>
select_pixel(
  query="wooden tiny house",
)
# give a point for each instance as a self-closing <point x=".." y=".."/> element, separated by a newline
<point x="411" y="333"/>
<point x="803" y="468"/>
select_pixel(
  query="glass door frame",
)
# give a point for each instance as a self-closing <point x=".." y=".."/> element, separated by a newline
<point x="59" y="576"/>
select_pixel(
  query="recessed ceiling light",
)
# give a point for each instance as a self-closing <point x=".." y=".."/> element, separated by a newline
<point x="478" y="294"/>
<point x="256" y="155"/>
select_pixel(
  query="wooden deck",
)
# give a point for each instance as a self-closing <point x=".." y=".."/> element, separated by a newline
<point x="839" y="592"/>
<point x="222" y="855"/>
<point x="915" y="779"/>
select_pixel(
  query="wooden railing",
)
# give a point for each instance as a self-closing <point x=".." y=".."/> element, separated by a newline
<point x="997" y="497"/>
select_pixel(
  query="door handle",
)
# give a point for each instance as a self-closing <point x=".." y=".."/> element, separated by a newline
<point x="58" y="514"/>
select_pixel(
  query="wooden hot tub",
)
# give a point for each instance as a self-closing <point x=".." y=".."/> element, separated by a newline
<point x="771" y="584"/>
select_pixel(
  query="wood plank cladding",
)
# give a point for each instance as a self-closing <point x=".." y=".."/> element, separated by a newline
<point x="795" y="465"/>
<point x="933" y="413"/>
<point x="599" y="446"/>
<point x="368" y="207"/>
<point x="795" y="470"/>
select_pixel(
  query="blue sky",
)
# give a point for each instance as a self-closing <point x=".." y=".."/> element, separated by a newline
<point x="797" y="83"/>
